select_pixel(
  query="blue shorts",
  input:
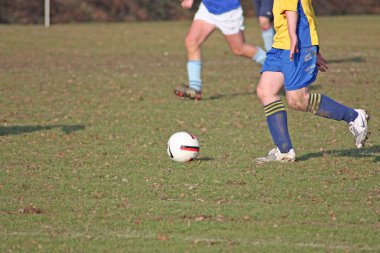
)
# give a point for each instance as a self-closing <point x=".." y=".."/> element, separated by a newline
<point x="300" y="72"/>
<point x="264" y="8"/>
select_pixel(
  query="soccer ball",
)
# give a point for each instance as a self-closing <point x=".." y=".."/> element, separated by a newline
<point x="183" y="147"/>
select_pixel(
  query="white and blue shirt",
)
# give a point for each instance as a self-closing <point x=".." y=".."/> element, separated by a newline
<point x="221" y="6"/>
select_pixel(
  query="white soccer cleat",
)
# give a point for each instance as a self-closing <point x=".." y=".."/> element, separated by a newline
<point x="359" y="127"/>
<point x="276" y="156"/>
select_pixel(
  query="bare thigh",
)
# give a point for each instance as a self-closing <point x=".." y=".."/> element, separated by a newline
<point x="199" y="31"/>
<point x="269" y="86"/>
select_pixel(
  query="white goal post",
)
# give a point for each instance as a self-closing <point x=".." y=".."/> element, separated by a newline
<point x="47" y="13"/>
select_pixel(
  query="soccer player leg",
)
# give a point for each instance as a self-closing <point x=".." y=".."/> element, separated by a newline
<point x="267" y="32"/>
<point x="231" y="24"/>
<point x="240" y="48"/>
<point x="357" y="119"/>
<point x="303" y="73"/>
<point x="269" y="86"/>
<point x="265" y="18"/>
<point x="198" y="33"/>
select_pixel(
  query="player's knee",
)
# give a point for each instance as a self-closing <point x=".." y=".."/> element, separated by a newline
<point x="265" y="23"/>
<point x="191" y="42"/>
<point x="265" y="26"/>
<point x="261" y="93"/>
<point x="293" y="104"/>
<point x="238" y="51"/>
<point x="296" y="103"/>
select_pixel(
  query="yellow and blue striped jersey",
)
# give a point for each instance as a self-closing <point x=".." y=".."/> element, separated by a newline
<point x="306" y="25"/>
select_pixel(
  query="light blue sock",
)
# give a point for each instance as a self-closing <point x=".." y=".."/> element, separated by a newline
<point x="194" y="72"/>
<point x="268" y="38"/>
<point x="260" y="56"/>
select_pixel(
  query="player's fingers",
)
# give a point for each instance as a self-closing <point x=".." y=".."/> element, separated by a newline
<point x="324" y="65"/>
<point x="321" y="67"/>
<point x="322" y="61"/>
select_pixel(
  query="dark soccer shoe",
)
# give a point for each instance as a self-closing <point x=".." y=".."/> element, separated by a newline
<point x="187" y="92"/>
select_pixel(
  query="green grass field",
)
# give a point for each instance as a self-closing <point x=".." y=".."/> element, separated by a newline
<point x="85" y="114"/>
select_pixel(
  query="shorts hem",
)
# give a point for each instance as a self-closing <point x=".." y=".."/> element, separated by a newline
<point x="229" y="23"/>
<point x="231" y="33"/>
<point x="301" y="86"/>
<point x="269" y="70"/>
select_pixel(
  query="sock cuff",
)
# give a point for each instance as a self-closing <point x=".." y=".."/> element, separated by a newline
<point x="260" y="56"/>
<point x="268" y="32"/>
<point x="274" y="107"/>
<point x="198" y="62"/>
<point x="196" y="85"/>
<point x="314" y="102"/>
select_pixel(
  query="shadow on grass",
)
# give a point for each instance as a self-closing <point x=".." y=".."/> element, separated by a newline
<point x="13" y="130"/>
<point x="204" y="159"/>
<point x="238" y="94"/>
<point x="371" y="152"/>
<point x="352" y="59"/>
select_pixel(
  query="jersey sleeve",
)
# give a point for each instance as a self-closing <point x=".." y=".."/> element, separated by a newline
<point x="288" y="5"/>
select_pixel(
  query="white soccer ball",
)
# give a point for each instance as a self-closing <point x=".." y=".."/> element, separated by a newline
<point x="183" y="147"/>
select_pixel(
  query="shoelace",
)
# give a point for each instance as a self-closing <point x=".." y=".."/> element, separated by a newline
<point x="270" y="157"/>
<point x="353" y="130"/>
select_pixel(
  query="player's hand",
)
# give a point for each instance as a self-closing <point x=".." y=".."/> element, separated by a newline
<point x="293" y="47"/>
<point x="187" y="4"/>
<point x="321" y="63"/>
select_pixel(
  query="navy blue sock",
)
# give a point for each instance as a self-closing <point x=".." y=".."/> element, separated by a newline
<point x="324" y="106"/>
<point x="278" y="125"/>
